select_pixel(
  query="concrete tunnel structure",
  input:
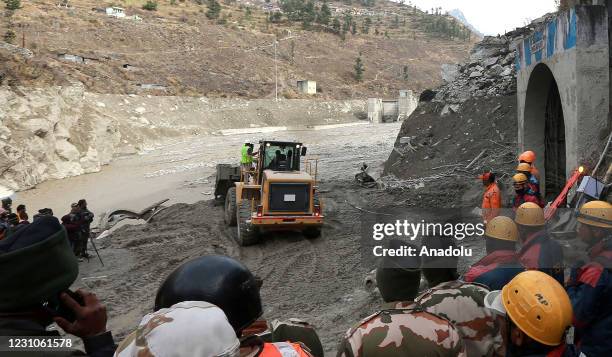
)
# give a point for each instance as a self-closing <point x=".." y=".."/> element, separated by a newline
<point x="563" y="90"/>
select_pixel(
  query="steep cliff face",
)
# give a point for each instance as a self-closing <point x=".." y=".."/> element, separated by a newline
<point x="58" y="132"/>
<point x="51" y="133"/>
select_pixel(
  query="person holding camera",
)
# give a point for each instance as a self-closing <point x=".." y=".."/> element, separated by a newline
<point x="35" y="294"/>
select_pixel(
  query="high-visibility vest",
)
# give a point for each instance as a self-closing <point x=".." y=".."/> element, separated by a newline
<point x="246" y="158"/>
<point x="283" y="349"/>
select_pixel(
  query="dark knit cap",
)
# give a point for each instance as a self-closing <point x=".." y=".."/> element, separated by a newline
<point x="37" y="264"/>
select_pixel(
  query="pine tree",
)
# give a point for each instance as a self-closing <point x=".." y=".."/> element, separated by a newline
<point x="13" y="4"/>
<point x="354" y="28"/>
<point x="150" y="6"/>
<point x="336" y="25"/>
<point x="324" y="14"/>
<point x="214" y="9"/>
<point x="366" y="25"/>
<point x="405" y="73"/>
<point x="9" y="36"/>
<point x="359" y="69"/>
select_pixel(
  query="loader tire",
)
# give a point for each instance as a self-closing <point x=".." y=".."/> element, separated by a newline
<point x="230" y="207"/>
<point x="247" y="233"/>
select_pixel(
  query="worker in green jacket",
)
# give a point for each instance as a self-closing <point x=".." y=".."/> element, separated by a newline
<point x="246" y="157"/>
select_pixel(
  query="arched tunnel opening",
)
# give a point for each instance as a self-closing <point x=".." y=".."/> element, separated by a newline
<point x="554" y="144"/>
<point x="544" y="130"/>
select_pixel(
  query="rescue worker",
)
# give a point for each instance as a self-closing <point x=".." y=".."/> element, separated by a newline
<point x="529" y="157"/>
<point x="491" y="199"/>
<point x="186" y="329"/>
<point x="6" y="204"/>
<point x="537" y="311"/>
<point x="42" y="267"/>
<point x="523" y="193"/>
<point x="72" y="223"/>
<point x="462" y="303"/>
<point x="21" y="210"/>
<point x="590" y="284"/>
<point x="229" y="285"/>
<point x="532" y="182"/>
<point x="501" y="264"/>
<point x="246" y="156"/>
<point x="538" y="251"/>
<point x="401" y="327"/>
<point x="86" y="218"/>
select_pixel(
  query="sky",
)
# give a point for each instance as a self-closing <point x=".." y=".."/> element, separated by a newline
<point x="492" y="16"/>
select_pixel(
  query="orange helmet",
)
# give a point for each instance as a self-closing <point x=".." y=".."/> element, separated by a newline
<point x="527" y="156"/>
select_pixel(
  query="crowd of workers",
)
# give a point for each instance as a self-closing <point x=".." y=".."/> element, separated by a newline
<point x="516" y="301"/>
<point x="77" y="223"/>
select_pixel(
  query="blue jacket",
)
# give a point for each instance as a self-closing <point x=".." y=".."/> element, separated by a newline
<point x="495" y="270"/>
<point x="590" y="289"/>
<point x="539" y="252"/>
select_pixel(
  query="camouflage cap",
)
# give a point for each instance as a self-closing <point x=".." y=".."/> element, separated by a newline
<point x="189" y="328"/>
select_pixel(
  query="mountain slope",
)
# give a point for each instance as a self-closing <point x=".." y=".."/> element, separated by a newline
<point x="458" y="14"/>
<point x="177" y="50"/>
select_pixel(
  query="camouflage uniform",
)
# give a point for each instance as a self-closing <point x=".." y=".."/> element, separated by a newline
<point x="402" y="329"/>
<point x="463" y="304"/>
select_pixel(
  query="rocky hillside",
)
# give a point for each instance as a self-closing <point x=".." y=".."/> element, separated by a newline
<point x="461" y="128"/>
<point x="178" y="50"/>
<point x="56" y="132"/>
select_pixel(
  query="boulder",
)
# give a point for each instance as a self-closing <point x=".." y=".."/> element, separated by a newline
<point x="475" y="74"/>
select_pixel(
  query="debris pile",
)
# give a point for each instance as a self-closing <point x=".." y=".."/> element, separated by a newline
<point x="489" y="72"/>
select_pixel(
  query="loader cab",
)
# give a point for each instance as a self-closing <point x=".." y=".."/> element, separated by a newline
<point x="279" y="156"/>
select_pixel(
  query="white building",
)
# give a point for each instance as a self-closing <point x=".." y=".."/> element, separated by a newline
<point x="117" y="12"/>
<point x="307" y="87"/>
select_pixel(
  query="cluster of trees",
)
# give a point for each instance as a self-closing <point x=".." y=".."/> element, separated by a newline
<point x="214" y="9"/>
<point x="150" y="6"/>
<point x="443" y="26"/>
<point x="304" y="11"/>
<point x="11" y="6"/>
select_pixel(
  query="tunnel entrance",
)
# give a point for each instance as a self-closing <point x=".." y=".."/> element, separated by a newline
<point x="554" y="144"/>
<point x="544" y="130"/>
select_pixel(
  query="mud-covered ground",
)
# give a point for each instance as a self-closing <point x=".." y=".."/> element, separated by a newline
<point x="320" y="280"/>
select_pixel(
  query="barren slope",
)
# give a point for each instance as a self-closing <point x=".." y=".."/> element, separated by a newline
<point x="179" y="48"/>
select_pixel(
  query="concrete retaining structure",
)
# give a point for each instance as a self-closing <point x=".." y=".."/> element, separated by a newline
<point x="570" y="50"/>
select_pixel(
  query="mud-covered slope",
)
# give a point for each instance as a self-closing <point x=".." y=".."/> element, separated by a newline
<point x="471" y="117"/>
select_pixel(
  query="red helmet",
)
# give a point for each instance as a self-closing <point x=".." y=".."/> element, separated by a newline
<point x="528" y="156"/>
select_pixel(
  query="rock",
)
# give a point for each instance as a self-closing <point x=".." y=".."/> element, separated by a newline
<point x="495" y="71"/>
<point x="450" y="108"/>
<point x="490" y="61"/>
<point x="140" y="110"/>
<point x="506" y="72"/>
<point x="475" y="74"/>
<point x="100" y="105"/>
<point x="66" y="150"/>
<point x="449" y="72"/>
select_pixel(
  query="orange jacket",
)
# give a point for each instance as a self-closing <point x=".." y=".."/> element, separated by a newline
<point x="491" y="202"/>
<point x="282" y="349"/>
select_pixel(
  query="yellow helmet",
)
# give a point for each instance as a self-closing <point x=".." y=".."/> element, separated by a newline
<point x="502" y="228"/>
<point x="523" y="167"/>
<point x="539" y="306"/>
<point x="519" y="178"/>
<point x="529" y="214"/>
<point x="596" y="213"/>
